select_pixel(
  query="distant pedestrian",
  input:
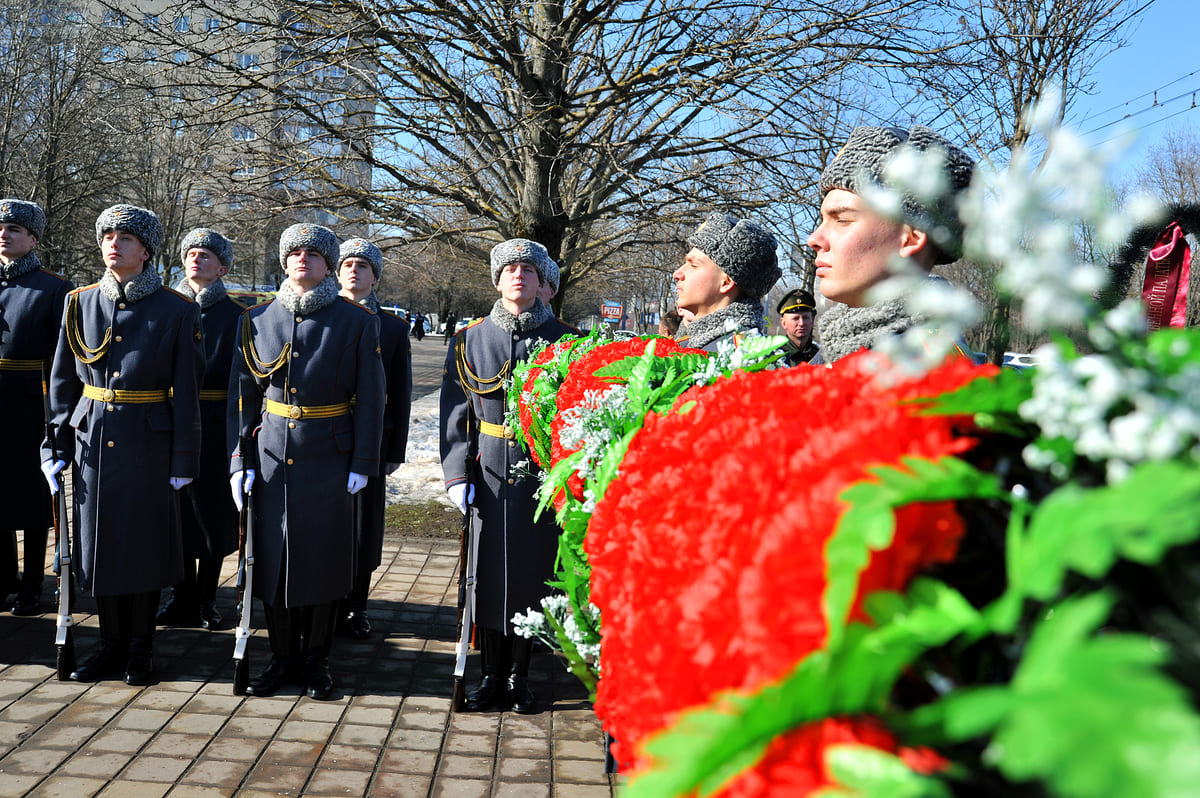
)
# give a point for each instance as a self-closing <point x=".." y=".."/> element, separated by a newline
<point x="418" y="327"/>
<point x="451" y="321"/>
<point x="796" y="311"/>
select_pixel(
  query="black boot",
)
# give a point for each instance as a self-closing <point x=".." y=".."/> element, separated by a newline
<point x="277" y="673"/>
<point x="493" y="656"/>
<point x="140" y="667"/>
<point x="318" y="678"/>
<point x="208" y="573"/>
<point x="104" y="661"/>
<point x="354" y="619"/>
<point x="183" y="606"/>
<point x="519" y="694"/>
<point x="29" y="595"/>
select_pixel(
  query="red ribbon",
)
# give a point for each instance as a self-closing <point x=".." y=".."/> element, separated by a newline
<point x="1168" y="268"/>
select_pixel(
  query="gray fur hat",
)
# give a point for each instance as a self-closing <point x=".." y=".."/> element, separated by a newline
<point x="362" y="248"/>
<point x="26" y="214"/>
<point x="743" y="249"/>
<point x="140" y="222"/>
<point x="309" y="236"/>
<point x="520" y="249"/>
<point x="552" y="274"/>
<point x="214" y="242"/>
<point x="865" y="157"/>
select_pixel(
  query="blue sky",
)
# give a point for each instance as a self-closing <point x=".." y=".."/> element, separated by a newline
<point x="1162" y="56"/>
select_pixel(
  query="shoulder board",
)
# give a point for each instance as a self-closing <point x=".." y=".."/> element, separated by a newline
<point x="236" y="303"/>
<point x="354" y="304"/>
<point x="61" y="277"/>
<point x="392" y="313"/>
<point x="86" y="288"/>
<point x="178" y="293"/>
<point x="477" y="321"/>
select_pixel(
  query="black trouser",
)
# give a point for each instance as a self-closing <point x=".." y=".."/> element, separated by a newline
<point x="127" y="617"/>
<point x="200" y="579"/>
<point x="35" y="559"/>
<point x="298" y="632"/>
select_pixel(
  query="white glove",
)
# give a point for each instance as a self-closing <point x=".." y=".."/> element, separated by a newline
<point x="355" y="483"/>
<point x="390" y="468"/>
<point x="460" y="495"/>
<point x="179" y="482"/>
<point x="51" y="468"/>
<point x="236" y="483"/>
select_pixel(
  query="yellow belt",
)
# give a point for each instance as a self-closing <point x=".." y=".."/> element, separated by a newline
<point x="125" y="397"/>
<point x="8" y="364"/>
<point x="316" y="411"/>
<point x="497" y="430"/>
<point x="213" y="394"/>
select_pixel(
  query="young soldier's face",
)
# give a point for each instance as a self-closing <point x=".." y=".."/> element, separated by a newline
<point x="306" y="268"/>
<point x="546" y="292"/>
<point x="15" y="242"/>
<point x="124" y="254"/>
<point x="854" y="246"/>
<point x="519" y="283"/>
<point x="356" y="276"/>
<point x="202" y="266"/>
<point x="700" y="285"/>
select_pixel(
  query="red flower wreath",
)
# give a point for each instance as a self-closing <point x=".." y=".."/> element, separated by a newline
<point x="582" y="378"/>
<point x="716" y="530"/>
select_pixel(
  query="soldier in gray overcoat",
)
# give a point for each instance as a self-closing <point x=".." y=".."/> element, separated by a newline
<point x="31" y="305"/>
<point x="730" y="267"/>
<point x="360" y="264"/>
<point x="516" y="555"/>
<point x="124" y="395"/>
<point x="308" y="382"/>
<point x="209" y="515"/>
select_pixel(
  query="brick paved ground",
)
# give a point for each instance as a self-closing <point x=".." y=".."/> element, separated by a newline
<point x="390" y="732"/>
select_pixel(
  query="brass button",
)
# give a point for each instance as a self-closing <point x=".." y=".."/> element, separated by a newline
<point x="117" y="339"/>
<point x="511" y="443"/>
<point x="293" y="390"/>
<point x="290" y="461"/>
<point x="111" y="444"/>
<point x="116" y="374"/>
<point x="291" y="425"/>
<point x="511" y="481"/>
<point x="108" y="396"/>
<point x="299" y="319"/>
<point x="295" y="412"/>
<point x="111" y="408"/>
<point x="295" y="354"/>
<point x="3" y="282"/>
<point x="121" y="306"/>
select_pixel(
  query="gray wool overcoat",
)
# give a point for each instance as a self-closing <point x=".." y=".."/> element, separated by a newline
<point x="126" y="518"/>
<point x="516" y="555"/>
<point x="302" y="509"/>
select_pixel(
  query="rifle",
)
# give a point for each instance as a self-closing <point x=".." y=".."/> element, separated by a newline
<point x="241" y="665"/>
<point x="467" y="557"/>
<point x="64" y="640"/>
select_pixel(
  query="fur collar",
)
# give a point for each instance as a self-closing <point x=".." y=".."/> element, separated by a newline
<point x="845" y="330"/>
<point x="371" y="303"/>
<point x="23" y="265"/>
<point x="531" y="319"/>
<point x="739" y="316"/>
<point x="136" y="289"/>
<point x="324" y="295"/>
<point x="206" y="297"/>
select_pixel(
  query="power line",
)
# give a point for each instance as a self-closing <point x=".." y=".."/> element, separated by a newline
<point x="1156" y="104"/>
<point x="1151" y="124"/>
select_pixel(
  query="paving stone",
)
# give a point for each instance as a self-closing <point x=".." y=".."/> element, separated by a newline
<point x="287" y="752"/>
<point x="400" y="785"/>
<point x="278" y="779"/>
<point x="68" y="787"/>
<point x="517" y="769"/>
<point x="156" y="768"/>
<point x="33" y="761"/>
<point x="60" y="735"/>
<point x="196" y="723"/>
<point x="103" y="765"/>
<point x="338" y="782"/>
<point x="13" y="785"/>
<point x="467" y="767"/>
<point x="237" y="749"/>
<point x="461" y="788"/>
<point x="217" y="773"/>
<point x="135" y="789"/>
<point x="409" y="761"/>
<point x="311" y="731"/>
<point x="478" y="744"/>
<point x="348" y="757"/>
<point x="579" y="771"/>
<point x="521" y="789"/>
<point x="151" y="719"/>
<point x="196" y="791"/>
<point x="562" y="790"/>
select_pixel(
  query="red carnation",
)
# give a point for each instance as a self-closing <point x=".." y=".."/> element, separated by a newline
<point x="716" y="530"/>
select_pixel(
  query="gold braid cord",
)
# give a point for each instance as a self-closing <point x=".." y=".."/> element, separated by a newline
<point x="259" y="367"/>
<point x="84" y="353"/>
<point x="470" y="379"/>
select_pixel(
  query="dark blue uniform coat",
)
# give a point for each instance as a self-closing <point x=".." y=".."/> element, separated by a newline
<point x="126" y="531"/>
<point x="302" y="509"/>
<point x="516" y="555"/>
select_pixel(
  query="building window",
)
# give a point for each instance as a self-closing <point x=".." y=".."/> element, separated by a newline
<point x="243" y="132"/>
<point x="179" y="57"/>
<point x="112" y="53"/>
<point x="243" y="168"/>
<point x="247" y="27"/>
<point x="204" y="198"/>
<point x="150" y="21"/>
<point x="248" y="60"/>
<point x="150" y="54"/>
<point x="115" y="19"/>
<point x="212" y="25"/>
<point x="182" y="24"/>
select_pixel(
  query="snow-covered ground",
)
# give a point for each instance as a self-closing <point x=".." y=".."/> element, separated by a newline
<point x="419" y="478"/>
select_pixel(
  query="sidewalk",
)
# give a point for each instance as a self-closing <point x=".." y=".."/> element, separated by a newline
<point x="390" y="731"/>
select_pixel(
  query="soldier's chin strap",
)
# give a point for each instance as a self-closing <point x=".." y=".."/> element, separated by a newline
<point x="468" y="377"/>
